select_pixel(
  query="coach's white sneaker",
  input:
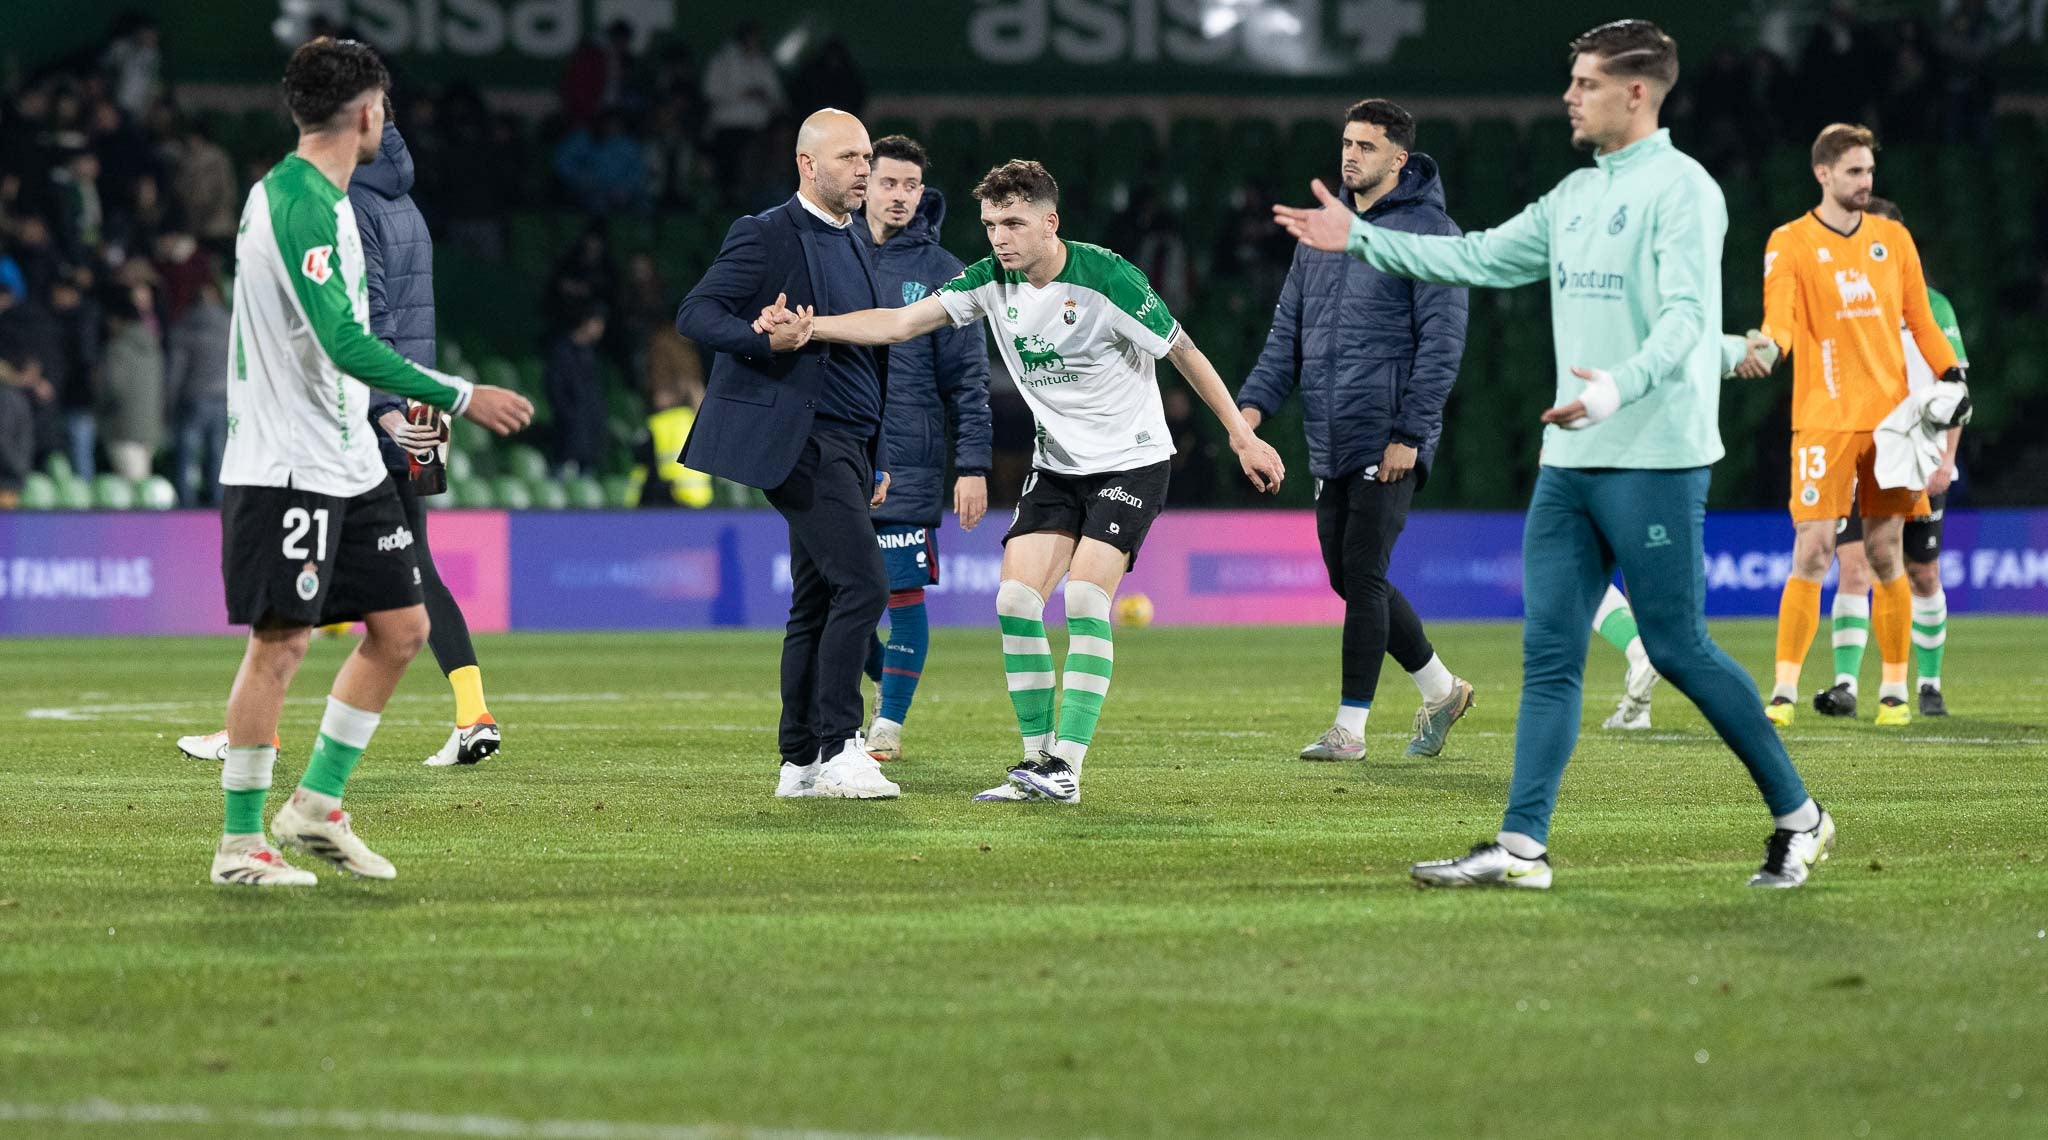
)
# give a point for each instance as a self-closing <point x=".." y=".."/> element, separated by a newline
<point x="330" y="837"/>
<point x="250" y="862"/>
<point x="798" y="781"/>
<point x="205" y="746"/>
<point x="885" y="740"/>
<point x="1790" y="856"/>
<point x="468" y="745"/>
<point x="1486" y="865"/>
<point x="854" y="775"/>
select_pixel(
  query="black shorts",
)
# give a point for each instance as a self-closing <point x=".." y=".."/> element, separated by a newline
<point x="297" y="558"/>
<point x="1923" y="532"/>
<point x="1117" y="507"/>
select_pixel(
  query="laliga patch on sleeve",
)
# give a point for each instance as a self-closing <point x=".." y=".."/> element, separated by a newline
<point x="316" y="266"/>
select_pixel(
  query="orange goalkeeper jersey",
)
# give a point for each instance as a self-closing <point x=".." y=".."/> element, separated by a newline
<point x="1835" y="302"/>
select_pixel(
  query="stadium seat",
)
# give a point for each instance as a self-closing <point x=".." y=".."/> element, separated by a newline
<point x="155" y="494"/>
<point x="511" y="493"/>
<point x="499" y="371"/>
<point x="460" y="465"/>
<point x="73" y="494"/>
<point x="39" y="492"/>
<point x="58" y="466"/>
<point x="1443" y="140"/>
<point x="618" y="491"/>
<point x="112" y="493"/>
<point x="1251" y="150"/>
<point x="585" y="493"/>
<point x="1079" y="142"/>
<point x="1130" y="150"/>
<point x="547" y="494"/>
<point x="470" y="494"/>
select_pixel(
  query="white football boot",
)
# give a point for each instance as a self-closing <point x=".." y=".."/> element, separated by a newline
<point x="1790" y="856"/>
<point x="1486" y="865"/>
<point x="254" y="863"/>
<point x="885" y="740"/>
<point x="331" y="837"/>
<point x="468" y="745"/>
<point x="205" y="746"/>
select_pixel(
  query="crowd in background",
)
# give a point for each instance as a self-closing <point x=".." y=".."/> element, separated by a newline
<point x="118" y="215"/>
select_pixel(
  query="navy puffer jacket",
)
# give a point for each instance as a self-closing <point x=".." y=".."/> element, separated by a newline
<point x="398" y="260"/>
<point x="1374" y="355"/>
<point x="934" y="381"/>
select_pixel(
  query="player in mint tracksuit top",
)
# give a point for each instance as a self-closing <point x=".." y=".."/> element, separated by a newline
<point x="1632" y="250"/>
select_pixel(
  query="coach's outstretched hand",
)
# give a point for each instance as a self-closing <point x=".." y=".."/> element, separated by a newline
<point x="1326" y="227"/>
<point x="787" y="330"/>
<point x="501" y="410"/>
<point x="1260" y="462"/>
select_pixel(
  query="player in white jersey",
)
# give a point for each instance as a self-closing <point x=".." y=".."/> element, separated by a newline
<point x="312" y="530"/>
<point x="1079" y="328"/>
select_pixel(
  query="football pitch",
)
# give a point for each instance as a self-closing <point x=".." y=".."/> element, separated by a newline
<point x="613" y="931"/>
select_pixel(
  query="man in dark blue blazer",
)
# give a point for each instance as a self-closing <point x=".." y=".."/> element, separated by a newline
<point x="803" y="422"/>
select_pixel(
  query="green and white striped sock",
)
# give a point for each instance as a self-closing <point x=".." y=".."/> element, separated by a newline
<point x="344" y="732"/>
<point x="1027" y="663"/>
<point x="1930" y="636"/>
<point x="1091" y="654"/>
<point x="1851" y="635"/>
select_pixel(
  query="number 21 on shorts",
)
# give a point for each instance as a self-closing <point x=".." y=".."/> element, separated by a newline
<point x="1813" y="461"/>
<point x="297" y="521"/>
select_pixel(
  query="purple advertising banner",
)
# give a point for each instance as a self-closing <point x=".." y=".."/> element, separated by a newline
<point x="142" y="573"/>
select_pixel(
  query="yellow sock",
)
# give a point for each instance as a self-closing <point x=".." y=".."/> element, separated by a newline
<point x="1798" y="619"/>
<point x="468" y="683"/>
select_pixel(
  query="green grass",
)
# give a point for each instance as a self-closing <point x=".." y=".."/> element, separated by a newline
<point x="614" y="921"/>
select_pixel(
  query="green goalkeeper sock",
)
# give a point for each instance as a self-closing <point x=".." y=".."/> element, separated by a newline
<point x="1614" y="621"/>
<point x="1851" y="621"/>
<point x="1027" y="663"/>
<point x="1091" y="655"/>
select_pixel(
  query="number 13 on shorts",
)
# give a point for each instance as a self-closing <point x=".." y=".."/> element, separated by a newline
<point x="1813" y="461"/>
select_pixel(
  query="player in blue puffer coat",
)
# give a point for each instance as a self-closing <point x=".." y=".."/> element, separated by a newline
<point x="938" y="387"/>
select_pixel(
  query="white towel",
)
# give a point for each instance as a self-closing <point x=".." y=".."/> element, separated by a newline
<point x="1913" y="438"/>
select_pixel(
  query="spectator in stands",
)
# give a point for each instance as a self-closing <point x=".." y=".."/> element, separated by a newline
<point x="134" y="63"/>
<point x="1251" y="252"/>
<point x="203" y="185"/>
<point x="183" y="267"/>
<point x="574" y="379"/>
<point x="26" y="394"/>
<point x="196" y="392"/>
<point x="1968" y="43"/>
<point x="674" y="384"/>
<point x="604" y="171"/>
<point x="830" y="78"/>
<point x="582" y="280"/>
<point x="1910" y="108"/>
<point x="35" y="253"/>
<point x="81" y="212"/>
<point x="78" y="318"/>
<point x="1838" y="70"/>
<point x="670" y="151"/>
<point x="744" y="94"/>
<point x="131" y="384"/>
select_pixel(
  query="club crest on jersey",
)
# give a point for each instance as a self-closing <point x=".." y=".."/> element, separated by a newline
<point x="309" y="582"/>
<point x="1823" y="254"/>
<point x="913" y="292"/>
<point x="1619" y="221"/>
<point x="317" y="266"/>
<point x="1878" y="252"/>
<point x="1809" y="495"/>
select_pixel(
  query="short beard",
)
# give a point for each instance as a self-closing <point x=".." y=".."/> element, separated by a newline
<point x="1850" y="204"/>
<point x="1366" y="188"/>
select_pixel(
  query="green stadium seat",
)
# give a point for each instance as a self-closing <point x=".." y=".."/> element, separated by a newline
<point x="1130" y="151"/>
<point x="39" y="492"/>
<point x="525" y="461"/>
<point x="956" y="153"/>
<point x="511" y="493"/>
<point x="548" y="495"/>
<point x="471" y="494"/>
<point x="73" y="494"/>
<point x="618" y="491"/>
<point x="449" y="352"/>
<point x="499" y="371"/>
<point x="585" y="493"/>
<point x="112" y="493"/>
<point x="1079" y="150"/>
<point x="58" y="466"/>
<point x="155" y="494"/>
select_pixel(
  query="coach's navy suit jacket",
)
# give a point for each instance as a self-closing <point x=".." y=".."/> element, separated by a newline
<point x="758" y="405"/>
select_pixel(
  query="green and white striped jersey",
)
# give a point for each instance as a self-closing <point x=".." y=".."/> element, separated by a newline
<point x="301" y="353"/>
<point x="1081" y="350"/>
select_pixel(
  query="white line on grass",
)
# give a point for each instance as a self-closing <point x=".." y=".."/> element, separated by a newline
<point x="385" y="1121"/>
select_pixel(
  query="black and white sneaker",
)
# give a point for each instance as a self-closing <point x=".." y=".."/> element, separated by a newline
<point x="468" y="745"/>
<point x="1790" y="856"/>
<point x="1931" y="703"/>
<point x="1838" y="700"/>
<point x="1049" y="777"/>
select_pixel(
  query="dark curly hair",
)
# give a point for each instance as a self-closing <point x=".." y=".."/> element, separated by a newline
<point x="327" y="74"/>
<point x="902" y="148"/>
<point x="1019" y="179"/>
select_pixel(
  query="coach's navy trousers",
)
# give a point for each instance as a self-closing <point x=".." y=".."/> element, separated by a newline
<point x="1583" y="523"/>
